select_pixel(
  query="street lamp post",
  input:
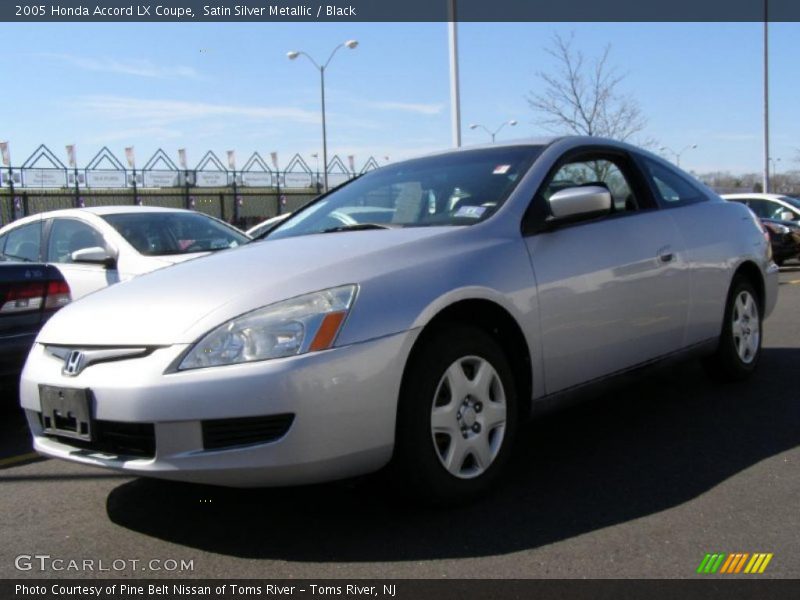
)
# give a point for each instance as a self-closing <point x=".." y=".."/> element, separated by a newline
<point x="351" y="44"/>
<point x="677" y="154"/>
<point x="494" y="133"/>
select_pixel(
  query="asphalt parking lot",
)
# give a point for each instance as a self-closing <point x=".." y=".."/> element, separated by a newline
<point x="639" y="482"/>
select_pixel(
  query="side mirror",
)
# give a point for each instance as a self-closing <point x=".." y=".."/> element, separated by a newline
<point x="787" y="215"/>
<point x="93" y="255"/>
<point x="575" y="202"/>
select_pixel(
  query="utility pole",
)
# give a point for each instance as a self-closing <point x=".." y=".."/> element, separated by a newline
<point x="455" y="96"/>
<point x="766" y="97"/>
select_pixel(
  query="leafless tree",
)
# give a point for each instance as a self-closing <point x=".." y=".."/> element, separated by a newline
<point x="724" y="182"/>
<point x="583" y="97"/>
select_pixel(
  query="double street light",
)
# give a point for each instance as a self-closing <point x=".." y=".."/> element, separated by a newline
<point x="679" y="153"/>
<point x="350" y="44"/>
<point x="494" y="133"/>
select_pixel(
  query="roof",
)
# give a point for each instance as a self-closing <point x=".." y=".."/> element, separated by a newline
<point x="96" y="211"/>
<point x="115" y="210"/>
<point x="754" y="195"/>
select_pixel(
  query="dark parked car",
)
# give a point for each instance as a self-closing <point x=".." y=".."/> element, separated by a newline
<point x="784" y="236"/>
<point x="29" y="294"/>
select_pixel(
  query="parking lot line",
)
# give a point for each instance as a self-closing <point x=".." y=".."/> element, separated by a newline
<point x="13" y="460"/>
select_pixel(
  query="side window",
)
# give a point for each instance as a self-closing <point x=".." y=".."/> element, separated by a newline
<point x="670" y="187"/>
<point x="760" y="207"/>
<point x="69" y="235"/>
<point x="775" y="210"/>
<point x="24" y="242"/>
<point x="603" y="172"/>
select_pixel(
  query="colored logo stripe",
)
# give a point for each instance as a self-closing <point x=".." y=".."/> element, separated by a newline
<point x="735" y="563"/>
<point x="710" y="563"/>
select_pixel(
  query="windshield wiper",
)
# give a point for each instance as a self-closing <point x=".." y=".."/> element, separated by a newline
<point x="355" y="227"/>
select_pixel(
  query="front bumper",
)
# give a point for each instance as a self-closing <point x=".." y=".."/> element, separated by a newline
<point x="343" y="402"/>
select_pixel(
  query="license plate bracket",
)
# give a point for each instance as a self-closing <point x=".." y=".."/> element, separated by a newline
<point x="66" y="412"/>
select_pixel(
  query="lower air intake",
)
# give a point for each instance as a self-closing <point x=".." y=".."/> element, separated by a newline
<point x="247" y="431"/>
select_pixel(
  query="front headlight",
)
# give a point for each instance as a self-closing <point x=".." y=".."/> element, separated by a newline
<point x="303" y="324"/>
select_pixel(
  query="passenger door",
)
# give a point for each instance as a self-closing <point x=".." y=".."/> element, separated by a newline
<point x="67" y="236"/>
<point x="613" y="290"/>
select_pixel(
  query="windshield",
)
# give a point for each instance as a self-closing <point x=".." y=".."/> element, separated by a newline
<point x="460" y="188"/>
<point x="163" y="233"/>
<point x="791" y="200"/>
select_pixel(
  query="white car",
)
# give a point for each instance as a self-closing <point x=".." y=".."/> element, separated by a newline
<point x="769" y="206"/>
<point x="95" y="247"/>
<point x="268" y="225"/>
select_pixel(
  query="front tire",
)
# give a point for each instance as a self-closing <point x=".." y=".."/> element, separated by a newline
<point x="457" y="417"/>
<point x="739" y="346"/>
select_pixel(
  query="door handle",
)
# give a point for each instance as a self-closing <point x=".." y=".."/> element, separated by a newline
<point x="666" y="255"/>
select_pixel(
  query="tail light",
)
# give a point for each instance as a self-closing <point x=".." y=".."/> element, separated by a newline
<point x="58" y="294"/>
<point x="33" y="295"/>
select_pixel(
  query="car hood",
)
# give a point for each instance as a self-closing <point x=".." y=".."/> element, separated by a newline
<point x="180" y="303"/>
<point x="173" y="259"/>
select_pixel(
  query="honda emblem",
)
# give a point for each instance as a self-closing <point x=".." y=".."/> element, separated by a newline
<point x="74" y="363"/>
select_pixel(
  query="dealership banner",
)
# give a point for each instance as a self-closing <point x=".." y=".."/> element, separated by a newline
<point x="256" y="179"/>
<point x="130" y="157"/>
<point x="399" y="10"/>
<point x="5" y="154"/>
<point x="211" y="178"/>
<point x="297" y="180"/>
<point x="72" y="160"/>
<point x="159" y="179"/>
<point x="399" y="589"/>
<point x="105" y="179"/>
<point x="45" y="178"/>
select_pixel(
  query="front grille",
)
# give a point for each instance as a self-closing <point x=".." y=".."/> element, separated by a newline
<point x="114" y="437"/>
<point x="227" y="433"/>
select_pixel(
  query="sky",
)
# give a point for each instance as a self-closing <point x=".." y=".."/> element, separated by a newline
<point x="223" y="86"/>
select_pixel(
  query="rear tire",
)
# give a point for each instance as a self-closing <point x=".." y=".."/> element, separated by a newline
<point x="739" y="346"/>
<point x="457" y="417"/>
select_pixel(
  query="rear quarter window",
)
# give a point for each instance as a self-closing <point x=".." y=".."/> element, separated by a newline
<point x="670" y="187"/>
<point x="24" y="242"/>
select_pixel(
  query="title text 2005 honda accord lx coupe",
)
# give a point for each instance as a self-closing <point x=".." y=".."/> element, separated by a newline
<point x="412" y="316"/>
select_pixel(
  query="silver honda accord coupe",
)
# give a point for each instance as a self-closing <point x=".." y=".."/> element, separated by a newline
<point x="411" y="318"/>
